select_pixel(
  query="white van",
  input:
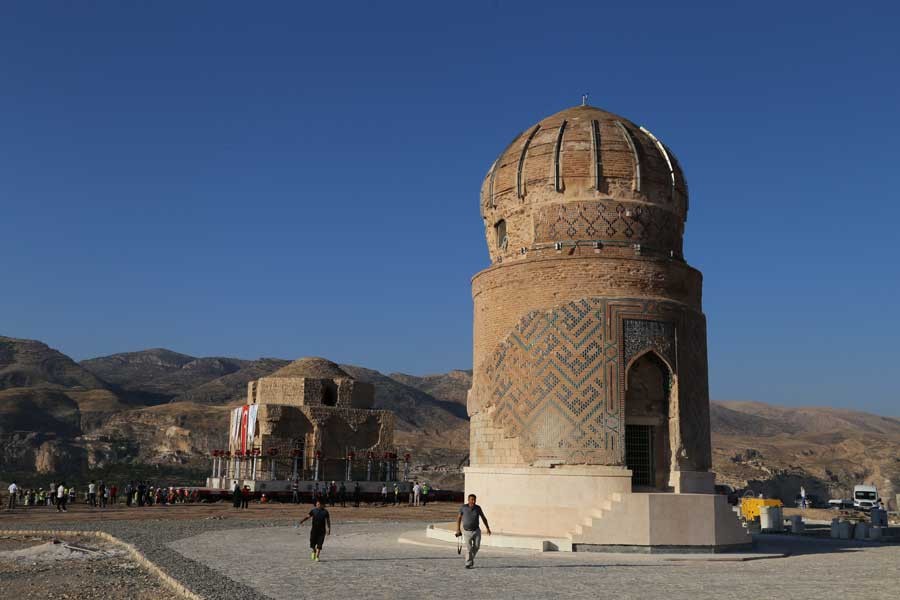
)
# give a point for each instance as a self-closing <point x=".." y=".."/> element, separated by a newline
<point x="864" y="497"/>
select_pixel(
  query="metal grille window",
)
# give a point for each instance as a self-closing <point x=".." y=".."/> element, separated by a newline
<point x="639" y="454"/>
<point x="500" y="232"/>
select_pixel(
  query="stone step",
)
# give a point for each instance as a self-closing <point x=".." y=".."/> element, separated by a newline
<point x="606" y="507"/>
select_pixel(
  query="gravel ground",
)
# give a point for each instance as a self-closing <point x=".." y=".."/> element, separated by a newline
<point x="35" y="567"/>
<point x="152" y="538"/>
<point x="152" y="535"/>
<point x="363" y="560"/>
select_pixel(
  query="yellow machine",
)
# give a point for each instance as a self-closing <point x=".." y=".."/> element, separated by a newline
<point x="750" y="506"/>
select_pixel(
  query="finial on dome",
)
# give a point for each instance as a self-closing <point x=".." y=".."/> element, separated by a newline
<point x="584" y="98"/>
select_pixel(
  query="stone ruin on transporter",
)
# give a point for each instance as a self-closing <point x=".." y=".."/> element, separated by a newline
<point x="309" y="421"/>
<point x="589" y="404"/>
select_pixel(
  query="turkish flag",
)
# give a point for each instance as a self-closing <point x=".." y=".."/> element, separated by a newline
<point x="245" y="413"/>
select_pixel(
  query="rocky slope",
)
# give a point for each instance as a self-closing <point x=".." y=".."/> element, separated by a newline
<point x="28" y="363"/>
<point x="159" y="375"/>
<point x="165" y="409"/>
<point x="828" y="451"/>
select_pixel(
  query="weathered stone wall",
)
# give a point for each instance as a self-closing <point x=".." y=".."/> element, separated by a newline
<point x="491" y="445"/>
<point x="556" y="383"/>
<point x="281" y="390"/>
<point x="362" y="395"/>
<point x="503" y="294"/>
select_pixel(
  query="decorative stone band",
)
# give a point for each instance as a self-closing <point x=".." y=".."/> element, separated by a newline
<point x="557" y="381"/>
<point x="610" y="221"/>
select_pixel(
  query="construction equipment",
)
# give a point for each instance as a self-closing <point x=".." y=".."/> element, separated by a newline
<point x="750" y="506"/>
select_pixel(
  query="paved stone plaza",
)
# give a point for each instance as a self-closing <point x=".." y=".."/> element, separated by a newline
<point x="394" y="560"/>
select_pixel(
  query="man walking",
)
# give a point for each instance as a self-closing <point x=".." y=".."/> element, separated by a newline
<point x="295" y="491"/>
<point x="321" y="526"/>
<point x="417" y="491"/>
<point x="92" y="494"/>
<point x="469" y="513"/>
<point x="61" y="497"/>
<point x="13" y="490"/>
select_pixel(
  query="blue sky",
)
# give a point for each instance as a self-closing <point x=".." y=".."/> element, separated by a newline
<point x="286" y="179"/>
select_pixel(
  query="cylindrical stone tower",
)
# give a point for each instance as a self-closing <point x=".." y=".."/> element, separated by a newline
<point x="590" y="371"/>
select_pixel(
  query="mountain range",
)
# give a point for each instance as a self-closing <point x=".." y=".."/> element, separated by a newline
<point x="162" y="409"/>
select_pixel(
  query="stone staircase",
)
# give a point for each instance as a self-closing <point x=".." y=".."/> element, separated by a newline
<point x="606" y="508"/>
<point x="659" y="519"/>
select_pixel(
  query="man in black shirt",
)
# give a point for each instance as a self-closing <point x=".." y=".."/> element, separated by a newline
<point x="321" y="526"/>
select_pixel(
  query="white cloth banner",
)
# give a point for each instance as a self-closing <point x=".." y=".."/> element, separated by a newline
<point x="251" y="424"/>
<point x="236" y="427"/>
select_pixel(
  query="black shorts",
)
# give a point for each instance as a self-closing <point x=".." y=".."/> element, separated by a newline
<point x="316" y="538"/>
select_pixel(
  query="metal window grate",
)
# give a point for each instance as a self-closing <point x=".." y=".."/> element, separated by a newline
<point x="639" y="454"/>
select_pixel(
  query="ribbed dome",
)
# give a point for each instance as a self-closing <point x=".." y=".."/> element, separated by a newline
<point x="313" y="368"/>
<point x="586" y="175"/>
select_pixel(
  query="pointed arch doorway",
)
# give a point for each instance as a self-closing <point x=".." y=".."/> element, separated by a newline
<point x="648" y="391"/>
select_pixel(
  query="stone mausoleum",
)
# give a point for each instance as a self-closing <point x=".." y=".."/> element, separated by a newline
<point x="589" y="404"/>
<point x="309" y="421"/>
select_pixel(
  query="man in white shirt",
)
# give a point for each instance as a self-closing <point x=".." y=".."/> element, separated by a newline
<point x="417" y="490"/>
<point x="61" y="498"/>
<point x="13" y="490"/>
<point x="92" y="493"/>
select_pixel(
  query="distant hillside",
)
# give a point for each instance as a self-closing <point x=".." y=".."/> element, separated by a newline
<point x="452" y="387"/>
<point x="159" y="375"/>
<point x="159" y="409"/>
<point x="28" y="363"/>
<point x="827" y="450"/>
<point x="233" y="386"/>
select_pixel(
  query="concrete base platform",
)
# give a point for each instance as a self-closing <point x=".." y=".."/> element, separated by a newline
<point x="589" y="506"/>
<point x="622" y="549"/>
<point x="447" y="533"/>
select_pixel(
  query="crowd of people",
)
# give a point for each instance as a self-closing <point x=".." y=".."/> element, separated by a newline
<point x="97" y="494"/>
<point x="332" y="494"/>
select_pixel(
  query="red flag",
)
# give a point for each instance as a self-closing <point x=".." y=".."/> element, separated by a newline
<point x="245" y="412"/>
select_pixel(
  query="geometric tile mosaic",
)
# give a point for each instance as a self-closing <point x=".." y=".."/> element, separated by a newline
<point x="556" y="381"/>
<point x="547" y="384"/>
